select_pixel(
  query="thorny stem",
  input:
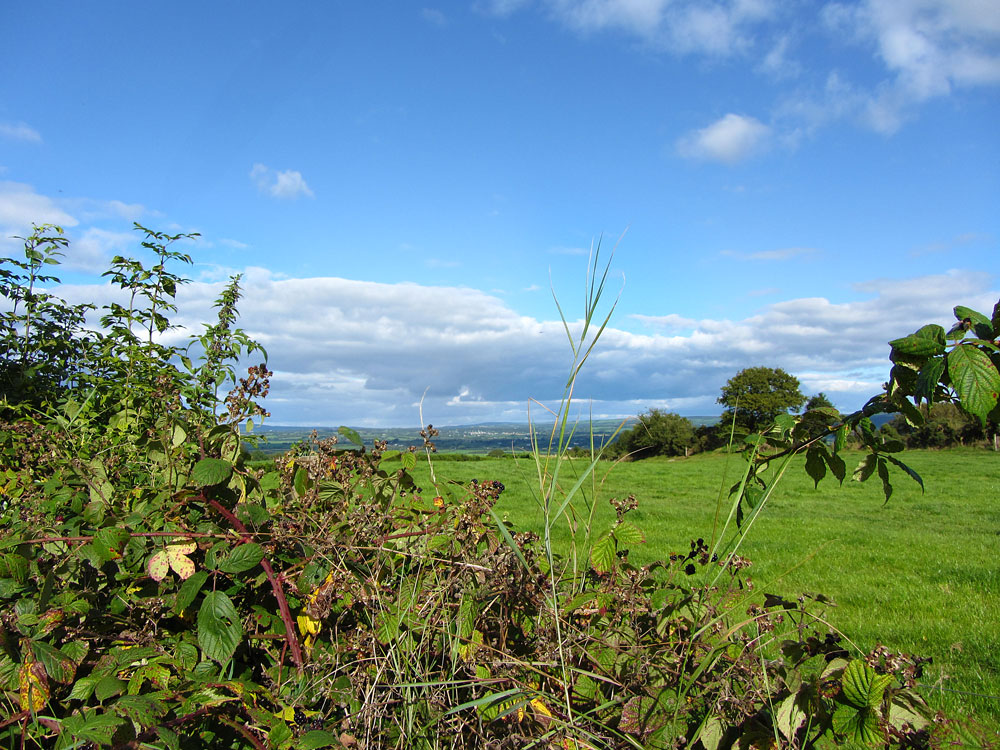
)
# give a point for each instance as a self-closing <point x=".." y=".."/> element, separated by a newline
<point x="279" y="594"/>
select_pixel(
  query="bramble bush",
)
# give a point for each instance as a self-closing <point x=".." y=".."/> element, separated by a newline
<point x="158" y="592"/>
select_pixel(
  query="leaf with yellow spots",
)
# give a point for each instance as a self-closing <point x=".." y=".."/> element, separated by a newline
<point x="33" y="686"/>
<point x="175" y="557"/>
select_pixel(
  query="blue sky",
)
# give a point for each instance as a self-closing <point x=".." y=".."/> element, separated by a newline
<point x="796" y="183"/>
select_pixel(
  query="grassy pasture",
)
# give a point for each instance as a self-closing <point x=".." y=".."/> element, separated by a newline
<point x="918" y="574"/>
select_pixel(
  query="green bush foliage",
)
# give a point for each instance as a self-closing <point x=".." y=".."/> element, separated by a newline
<point x="657" y="433"/>
<point x="156" y="591"/>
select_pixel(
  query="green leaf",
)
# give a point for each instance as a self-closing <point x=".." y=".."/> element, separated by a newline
<point x="862" y="686"/>
<point x="837" y="466"/>
<point x="840" y="440"/>
<point x="209" y="472"/>
<point x="302" y="482"/>
<point x="865" y="468"/>
<point x="883" y="474"/>
<point x="932" y="332"/>
<point x="219" y="627"/>
<point x="815" y="466"/>
<point x="409" y="460"/>
<point x="711" y="733"/>
<point x="860" y="726"/>
<point x="94" y="727"/>
<point x="315" y="739"/>
<point x="978" y="321"/>
<point x="627" y="534"/>
<point x="108" y="542"/>
<point x="913" y="475"/>
<point x="916" y="346"/>
<point x="602" y="554"/>
<point x="244" y="557"/>
<point x="351" y="435"/>
<point x="975" y="378"/>
<point x="83" y="688"/>
<point x="386" y="627"/>
<point x="790" y="716"/>
<point x="189" y="591"/>
<point x="141" y="709"/>
<point x="57" y="665"/>
<point x="928" y="379"/>
<point x="995" y="322"/>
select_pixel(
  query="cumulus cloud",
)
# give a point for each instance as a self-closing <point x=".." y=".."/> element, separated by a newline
<point x="19" y="131"/>
<point x="719" y="28"/>
<point x="92" y="250"/>
<point x="360" y="352"/>
<point x="287" y="183"/>
<point x="729" y="140"/>
<point x="20" y="206"/>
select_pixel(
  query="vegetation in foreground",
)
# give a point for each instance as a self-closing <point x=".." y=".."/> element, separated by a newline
<point x="158" y="593"/>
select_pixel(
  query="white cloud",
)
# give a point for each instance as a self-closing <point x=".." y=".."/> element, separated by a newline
<point x="434" y="16"/>
<point x="928" y="49"/>
<point x="20" y="206"/>
<point x="19" y="131"/>
<point x="94" y="248"/>
<point x="363" y="353"/>
<point x="730" y="139"/>
<point x="785" y="253"/>
<point x="286" y="183"/>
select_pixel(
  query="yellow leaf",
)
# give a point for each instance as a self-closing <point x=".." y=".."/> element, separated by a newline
<point x="34" y="692"/>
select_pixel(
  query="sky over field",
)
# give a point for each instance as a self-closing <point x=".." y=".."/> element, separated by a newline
<point x="403" y="185"/>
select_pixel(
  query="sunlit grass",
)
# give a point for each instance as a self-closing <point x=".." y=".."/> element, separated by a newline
<point x="917" y="574"/>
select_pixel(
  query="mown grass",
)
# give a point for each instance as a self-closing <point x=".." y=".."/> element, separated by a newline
<point x="918" y="574"/>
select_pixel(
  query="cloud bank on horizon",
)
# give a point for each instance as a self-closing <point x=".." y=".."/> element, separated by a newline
<point x="803" y="182"/>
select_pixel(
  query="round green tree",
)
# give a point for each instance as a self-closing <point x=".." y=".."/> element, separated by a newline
<point x="658" y="433"/>
<point x="757" y="395"/>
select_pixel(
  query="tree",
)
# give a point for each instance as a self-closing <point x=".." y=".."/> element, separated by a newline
<point x="757" y="395"/>
<point x="657" y="434"/>
<point x="819" y="401"/>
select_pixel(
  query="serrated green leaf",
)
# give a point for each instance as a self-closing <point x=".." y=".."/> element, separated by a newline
<point x="995" y="322"/>
<point x="860" y="726"/>
<point x="142" y="709"/>
<point x="83" y="688"/>
<point x="301" y="482"/>
<point x="711" y="733"/>
<point x="975" y="378"/>
<point x="628" y="534"/>
<point x="241" y="558"/>
<point x="57" y="665"/>
<point x="108" y="542"/>
<point x="928" y="379"/>
<point x="209" y="472"/>
<point x="188" y="591"/>
<point x="219" y="628"/>
<point x="977" y="318"/>
<point x="93" y="727"/>
<point x="862" y="686"/>
<point x="409" y="460"/>
<point x="916" y="346"/>
<point x="351" y="435"/>
<point x="914" y="417"/>
<point x="602" y="554"/>
<point x="815" y="465"/>
<point x="933" y="332"/>
<point x="386" y="628"/>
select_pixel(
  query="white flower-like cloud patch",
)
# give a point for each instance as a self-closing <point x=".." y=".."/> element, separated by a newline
<point x="287" y="183"/>
<point x="729" y="140"/>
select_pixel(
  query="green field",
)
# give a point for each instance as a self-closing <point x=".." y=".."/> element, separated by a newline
<point x="918" y="574"/>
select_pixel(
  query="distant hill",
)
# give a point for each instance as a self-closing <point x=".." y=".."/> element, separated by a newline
<point x="472" y="438"/>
